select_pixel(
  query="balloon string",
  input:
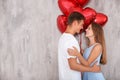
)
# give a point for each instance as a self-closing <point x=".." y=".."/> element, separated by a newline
<point x="80" y="41"/>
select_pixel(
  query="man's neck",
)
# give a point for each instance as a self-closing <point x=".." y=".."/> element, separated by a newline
<point x="69" y="30"/>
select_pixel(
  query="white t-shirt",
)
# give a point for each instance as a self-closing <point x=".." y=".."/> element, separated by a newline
<point x="65" y="73"/>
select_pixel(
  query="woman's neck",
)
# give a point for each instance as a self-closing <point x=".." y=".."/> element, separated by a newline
<point x="92" y="41"/>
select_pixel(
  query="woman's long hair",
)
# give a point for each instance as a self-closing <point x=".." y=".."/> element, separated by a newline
<point x="99" y="38"/>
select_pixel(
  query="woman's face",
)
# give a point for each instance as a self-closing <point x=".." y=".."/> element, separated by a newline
<point x="89" y="31"/>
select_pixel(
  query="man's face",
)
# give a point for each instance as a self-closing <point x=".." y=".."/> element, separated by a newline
<point x="79" y="26"/>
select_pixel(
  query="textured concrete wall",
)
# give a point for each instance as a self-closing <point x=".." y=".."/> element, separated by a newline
<point x="29" y="38"/>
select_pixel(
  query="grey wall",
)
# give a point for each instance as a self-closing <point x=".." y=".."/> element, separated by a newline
<point x="29" y="38"/>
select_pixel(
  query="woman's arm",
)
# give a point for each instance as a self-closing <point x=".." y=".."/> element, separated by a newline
<point x="93" y="55"/>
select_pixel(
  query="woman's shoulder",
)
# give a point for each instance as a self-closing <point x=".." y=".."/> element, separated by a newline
<point x="98" y="46"/>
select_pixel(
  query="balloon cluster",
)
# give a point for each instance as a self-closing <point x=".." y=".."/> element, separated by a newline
<point x="69" y="6"/>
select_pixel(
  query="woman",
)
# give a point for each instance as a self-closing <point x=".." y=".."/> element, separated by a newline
<point x="96" y="51"/>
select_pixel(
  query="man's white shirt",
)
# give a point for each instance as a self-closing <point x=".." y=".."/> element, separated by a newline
<point x="65" y="73"/>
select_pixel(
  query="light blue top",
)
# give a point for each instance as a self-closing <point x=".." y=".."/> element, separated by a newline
<point x="92" y="75"/>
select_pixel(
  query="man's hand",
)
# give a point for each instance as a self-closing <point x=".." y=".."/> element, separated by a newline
<point x="96" y="68"/>
<point x="81" y="51"/>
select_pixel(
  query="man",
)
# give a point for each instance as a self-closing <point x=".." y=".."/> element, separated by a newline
<point x="69" y="66"/>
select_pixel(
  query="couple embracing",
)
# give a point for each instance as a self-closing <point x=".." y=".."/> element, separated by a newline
<point x="71" y="62"/>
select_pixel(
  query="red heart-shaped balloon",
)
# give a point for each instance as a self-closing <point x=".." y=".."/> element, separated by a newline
<point x="62" y="23"/>
<point x="66" y="5"/>
<point x="89" y="15"/>
<point x="76" y="9"/>
<point x="81" y="2"/>
<point x="101" y="19"/>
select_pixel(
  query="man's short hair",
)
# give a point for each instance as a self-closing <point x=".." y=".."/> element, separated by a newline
<point x="75" y="16"/>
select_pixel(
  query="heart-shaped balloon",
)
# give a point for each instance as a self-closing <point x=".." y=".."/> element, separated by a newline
<point x="81" y="2"/>
<point x="89" y="15"/>
<point x="62" y="23"/>
<point x="66" y="5"/>
<point x="76" y="9"/>
<point x="101" y="19"/>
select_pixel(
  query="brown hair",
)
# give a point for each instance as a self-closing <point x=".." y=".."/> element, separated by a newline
<point x="99" y="38"/>
<point x="75" y="16"/>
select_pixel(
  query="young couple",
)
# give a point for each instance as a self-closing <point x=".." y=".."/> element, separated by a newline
<point x="70" y="61"/>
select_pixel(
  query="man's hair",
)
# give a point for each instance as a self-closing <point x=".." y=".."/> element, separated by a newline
<point x="75" y="16"/>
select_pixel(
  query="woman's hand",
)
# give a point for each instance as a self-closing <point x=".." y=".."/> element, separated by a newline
<point x="73" y="52"/>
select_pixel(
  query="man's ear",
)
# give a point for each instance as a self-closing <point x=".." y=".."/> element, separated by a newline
<point x="75" y="23"/>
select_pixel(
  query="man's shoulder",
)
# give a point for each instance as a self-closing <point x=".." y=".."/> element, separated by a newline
<point x="66" y="40"/>
<point x="67" y="37"/>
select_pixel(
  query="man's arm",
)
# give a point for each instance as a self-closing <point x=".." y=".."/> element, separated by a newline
<point x="78" y="67"/>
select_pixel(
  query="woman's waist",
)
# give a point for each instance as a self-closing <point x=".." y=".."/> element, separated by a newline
<point x="92" y="73"/>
